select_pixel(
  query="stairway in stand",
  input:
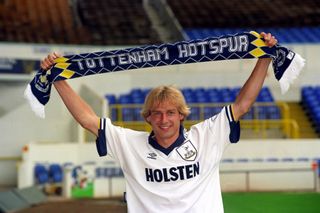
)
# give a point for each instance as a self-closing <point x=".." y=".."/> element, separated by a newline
<point x="305" y="125"/>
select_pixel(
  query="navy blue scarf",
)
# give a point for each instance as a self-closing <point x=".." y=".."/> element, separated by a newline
<point x="286" y="63"/>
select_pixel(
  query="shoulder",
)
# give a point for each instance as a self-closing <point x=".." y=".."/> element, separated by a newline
<point x="107" y="125"/>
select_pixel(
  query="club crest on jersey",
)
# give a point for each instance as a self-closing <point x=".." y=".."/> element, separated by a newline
<point x="187" y="151"/>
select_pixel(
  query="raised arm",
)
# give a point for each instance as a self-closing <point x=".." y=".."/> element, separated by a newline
<point x="250" y="90"/>
<point x="79" y="109"/>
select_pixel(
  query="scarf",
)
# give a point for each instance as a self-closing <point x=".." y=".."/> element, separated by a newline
<point x="286" y="63"/>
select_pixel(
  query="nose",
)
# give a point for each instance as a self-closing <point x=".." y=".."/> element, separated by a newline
<point x="164" y="117"/>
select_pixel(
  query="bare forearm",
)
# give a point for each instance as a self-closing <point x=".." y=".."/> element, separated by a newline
<point x="251" y="88"/>
<point x="79" y="109"/>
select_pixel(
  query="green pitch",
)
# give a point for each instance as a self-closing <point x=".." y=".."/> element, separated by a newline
<point x="272" y="202"/>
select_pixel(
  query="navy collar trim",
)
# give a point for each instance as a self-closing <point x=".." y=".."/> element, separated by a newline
<point x="153" y="142"/>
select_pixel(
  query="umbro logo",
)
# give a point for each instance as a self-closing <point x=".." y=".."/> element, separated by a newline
<point x="152" y="155"/>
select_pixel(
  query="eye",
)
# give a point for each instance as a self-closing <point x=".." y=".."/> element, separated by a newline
<point x="171" y="113"/>
<point x="155" y="113"/>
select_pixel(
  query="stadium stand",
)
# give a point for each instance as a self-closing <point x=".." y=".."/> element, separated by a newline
<point x="204" y="103"/>
<point x="37" y="21"/>
<point x="266" y="119"/>
<point x="114" y="22"/>
<point x="295" y="24"/>
<point x="310" y="99"/>
<point x="55" y="173"/>
<point x="117" y="22"/>
<point x="41" y="174"/>
<point x="125" y="22"/>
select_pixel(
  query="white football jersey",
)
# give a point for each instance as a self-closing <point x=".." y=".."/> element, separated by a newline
<point x="181" y="178"/>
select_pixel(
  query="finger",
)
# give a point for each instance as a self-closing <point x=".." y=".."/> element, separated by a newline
<point x="44" y="65"/>
<point x="263" y="34"/>
<point x="273" y="41"/>
<point x="57" y="55"/>
<point x="267" y="37"/>
<point x="47" y="62"/>
<point x="51" y="58"/>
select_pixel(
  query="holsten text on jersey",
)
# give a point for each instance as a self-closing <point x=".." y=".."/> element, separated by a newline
<point x="173" y="173"/>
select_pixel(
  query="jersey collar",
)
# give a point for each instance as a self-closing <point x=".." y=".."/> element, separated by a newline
<point x="153" y="142"/>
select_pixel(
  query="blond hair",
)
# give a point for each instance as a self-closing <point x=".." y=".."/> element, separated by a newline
<point x="165" y="93"/>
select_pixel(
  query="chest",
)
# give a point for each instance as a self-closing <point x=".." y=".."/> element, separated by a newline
<point x="184" y="163"/>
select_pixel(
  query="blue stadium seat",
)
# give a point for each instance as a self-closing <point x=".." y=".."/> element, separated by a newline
<point x="284" y="35"/>
<point x="310" y="97"/>
<point x="41" y="174"/>
<point x="112" y="100"/>
<point x="137" y="93"/>
<point x="249" y="115"/>
<point x="273" y="112"/>
<point x="56" y="173"/>
<point x="194" y="113"/>
<point x="146" y="92"/>
<point x="262" y="112"/>
<point x="127" y="112"/>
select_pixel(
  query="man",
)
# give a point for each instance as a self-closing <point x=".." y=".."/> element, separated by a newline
<point x="170" y="170"/>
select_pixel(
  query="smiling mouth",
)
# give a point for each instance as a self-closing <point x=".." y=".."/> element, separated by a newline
<point x="164" y="128"/>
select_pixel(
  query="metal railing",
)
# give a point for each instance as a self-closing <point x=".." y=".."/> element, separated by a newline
<point x="10" y="158"/>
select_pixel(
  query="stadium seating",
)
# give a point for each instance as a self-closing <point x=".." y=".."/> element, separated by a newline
<point x="41" y="174"/>
<point x="117" y="22"/>
<point x="35" y="21"/>
<point x="111" y="98"/>
<point x="298" y="23"/>
<point x="113" y="22"/>
<point x="204" y="103"/>
<point x="310" y="98"/>
<point x="284" y="35"/>
<point x="254" y="13"/>
<point x="125" y="22"/>
<point x="52" y="173"/>
<point x="56" y="173"/>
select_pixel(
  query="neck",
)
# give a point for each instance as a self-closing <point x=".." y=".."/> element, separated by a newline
<point x="165" y="143"/>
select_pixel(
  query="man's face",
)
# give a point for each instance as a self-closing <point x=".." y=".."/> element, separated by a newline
<point x="165" y="121"/>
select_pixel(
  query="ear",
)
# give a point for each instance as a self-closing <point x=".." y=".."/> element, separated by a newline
<point x="148" y="119"/>
<point x="181" y="117"/>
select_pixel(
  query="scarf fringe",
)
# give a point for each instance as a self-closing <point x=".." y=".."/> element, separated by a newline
<point x="35" y="105"/>
<point x="292" y="72"/>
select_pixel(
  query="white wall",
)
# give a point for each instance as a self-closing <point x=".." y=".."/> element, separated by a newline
<point x="21" y="126"/>
<point x="266" y="175"/>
